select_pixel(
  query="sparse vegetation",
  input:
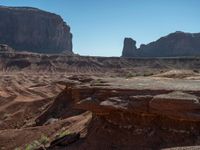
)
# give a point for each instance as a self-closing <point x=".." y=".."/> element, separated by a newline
<point x="5" y="116"/>
<point x="63" y="133"/>
<point x="196" y="71"/>
<point x="162" y="71"/>
<point x="33" y="146"/>
<point x="98" y="82"/>
<point x="130" y="75"/>
<point x="148" y="74"/>
<point x="42" y="142"/>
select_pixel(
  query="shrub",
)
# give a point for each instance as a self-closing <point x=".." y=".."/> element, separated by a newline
<point x="148" y="74"/>
<point x="33" y="146"/>
<point x="43" y="141"/>
<point x="196" y="71"/>
<point x="62" y="133"/>
<point x="130" y="75"/>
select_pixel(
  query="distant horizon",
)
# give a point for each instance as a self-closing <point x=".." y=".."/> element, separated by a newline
<point x="99" y="27"/>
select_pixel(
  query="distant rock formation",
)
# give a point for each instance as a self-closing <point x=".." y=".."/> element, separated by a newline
<point x="129" y="47"/>
<point x="35" y="30"/>
<point x="173" y="45"/>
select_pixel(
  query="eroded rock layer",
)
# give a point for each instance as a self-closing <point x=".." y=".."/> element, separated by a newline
<point x="127" y="116"/>
<point x="96" y="113"/>
<point x="106" y="66"/>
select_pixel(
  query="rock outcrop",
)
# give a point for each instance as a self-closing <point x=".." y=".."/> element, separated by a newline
<point x="35" y="30"/>
<point x="131" y="114"/>
<point x="173" y="45"/>
<point x="129" y="48"/>
<point x="129" y="118"/>
<point x="135" y="113"/>
<point x="5" y="48"/>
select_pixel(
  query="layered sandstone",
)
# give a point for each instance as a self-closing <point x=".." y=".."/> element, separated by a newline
<point x="35" y="30"/>
<point x="120" y="66"/>
<point x="142" y="118"/>
<point x="131" y="114"/>
<point x="127" y="113"/>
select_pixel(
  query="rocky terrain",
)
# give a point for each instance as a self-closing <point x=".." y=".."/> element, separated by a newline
<point x="12" y="61"/>
<point x="59" y="101"/>
<point x="173" y="45"/>
<point x="100" y="112"/>
<point x="35" y="30"/>
<point x="52" y="99"/>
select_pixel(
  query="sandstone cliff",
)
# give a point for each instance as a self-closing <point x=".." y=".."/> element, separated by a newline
<point x="129" y="47"/>
<point x="31" y="29"/>
<point x="139" y="113"/>
<point x="173" y="45"/>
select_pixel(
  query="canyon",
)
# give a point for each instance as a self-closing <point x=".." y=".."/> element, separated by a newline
<point x="52" y="99"/>
<point x="57" y="101"/>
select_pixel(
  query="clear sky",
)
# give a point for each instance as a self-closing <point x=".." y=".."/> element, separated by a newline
<point x="99" y="26"/>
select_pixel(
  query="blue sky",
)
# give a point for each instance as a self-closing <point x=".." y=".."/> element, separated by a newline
<point x="99" y="26"/>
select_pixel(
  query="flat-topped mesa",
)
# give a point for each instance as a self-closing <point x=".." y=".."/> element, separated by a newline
<point x="34" y="30"/>
<point x="173" y="45"/>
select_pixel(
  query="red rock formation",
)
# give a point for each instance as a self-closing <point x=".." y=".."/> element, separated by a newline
<point x="133" y="117"/>
<point x="173" y="45"/>
<point x="142" y="122"/>
<point x="139" y="118"/>
<point x="31" y="29"/>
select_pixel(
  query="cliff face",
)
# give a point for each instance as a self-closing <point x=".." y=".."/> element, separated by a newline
<point x="129" y="48"/>
<point x="130" y="114"/>
<point x="172" y="45"/>
<point x="34" y="30"/>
